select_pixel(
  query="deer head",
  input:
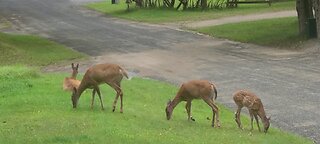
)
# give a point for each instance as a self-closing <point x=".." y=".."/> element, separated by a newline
<point x="266" y="124"/>
<point x="169" y="110"/>
<point x="74" y="70"/>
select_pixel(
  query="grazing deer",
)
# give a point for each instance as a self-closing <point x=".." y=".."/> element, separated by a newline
<point x="110" y="74"/>
<point x="244" y="98"/>
<point x="71" y="82"/>
<point x="196" y="89"/>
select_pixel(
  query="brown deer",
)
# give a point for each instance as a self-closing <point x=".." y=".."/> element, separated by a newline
<point x="71" y="82"/>
<point x="195" y="89"/>
<point x="110" y="74"/>
<point x="244" y="98"/>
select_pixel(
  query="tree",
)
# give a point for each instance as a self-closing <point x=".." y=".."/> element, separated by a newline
<point x="304" y="10"/>
<point x="316" y="6"/>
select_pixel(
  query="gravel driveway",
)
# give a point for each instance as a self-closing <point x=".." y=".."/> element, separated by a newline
<point x="287" y="81"/>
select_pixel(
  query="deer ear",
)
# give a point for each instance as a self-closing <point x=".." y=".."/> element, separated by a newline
<point x="77" y="66"/>
<point x="269" y="118"/>
<point x="72" y="65"/>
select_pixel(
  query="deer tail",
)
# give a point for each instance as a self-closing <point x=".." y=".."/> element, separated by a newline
<point x="123" y="72"/>
<point x="215" y="91"/>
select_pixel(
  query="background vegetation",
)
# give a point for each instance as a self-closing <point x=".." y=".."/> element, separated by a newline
<point x="163" y="15"/>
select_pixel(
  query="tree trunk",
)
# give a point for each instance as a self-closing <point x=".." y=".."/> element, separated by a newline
<point x="204" y="4"/>
<point x="139" y="3"/>
<point x="172" y="3"/>
<point x="304" y="11"/>
<point x="316" y="6"/>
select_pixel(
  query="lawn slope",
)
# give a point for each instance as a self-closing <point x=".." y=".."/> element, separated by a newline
<point x="33" y="51"/>
<point x="34" y="109"/>
<point x="280" y="32"/>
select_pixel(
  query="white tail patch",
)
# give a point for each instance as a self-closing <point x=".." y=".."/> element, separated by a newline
<point x="212" y="87"/>
<point x="129" y="78"/>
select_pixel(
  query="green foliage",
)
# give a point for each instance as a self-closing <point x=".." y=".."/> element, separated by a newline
<point x="161" y="15"/>
<point x="36" y="110"/>
<point x="32" y="50"/>
<point x="281" y="32"/>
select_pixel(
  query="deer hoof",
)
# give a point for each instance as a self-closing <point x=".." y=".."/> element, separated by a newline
<point x="192" y="119"/>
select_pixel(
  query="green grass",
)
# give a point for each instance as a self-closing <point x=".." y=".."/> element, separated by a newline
<point x="161" y="15"/>
<point x="33" y="50"/>
<point x="34" y="109"/>
<point x="281" y="32"/>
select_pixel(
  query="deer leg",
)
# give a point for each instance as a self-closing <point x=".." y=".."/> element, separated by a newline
<point x="115" y="102"/>
<point x="121" y="97"/>
<point x="92" y="99"/>
<point x="257" y="120"/>
<point x="237" y="117"/>
<point x="99" y="94"/>
<point x="188" y="108"/>
<point x="217" y="113"/>
<point x="119" y="93"/>
<point x="215" y="110"/>
<point x="251" y="119"/>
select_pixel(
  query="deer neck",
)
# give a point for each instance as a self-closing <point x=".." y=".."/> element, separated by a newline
<point x="81" y="88"/>
<point x="74" y="75"/>
<point x="174" y="103"/>
<point x="262" y="115"/>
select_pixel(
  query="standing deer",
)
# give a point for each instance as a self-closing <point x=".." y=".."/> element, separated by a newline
<point x="244" y="98"/>
<point x="195" y="89"/>
<point x="71" y="82"/>
<point x="110" y="74"/>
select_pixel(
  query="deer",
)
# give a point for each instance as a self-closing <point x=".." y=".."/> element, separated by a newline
<point x="245" y="98"/>
<point x="111" y="74"/>
<point x="71" y="82"/>
<point x="195" y="89"/>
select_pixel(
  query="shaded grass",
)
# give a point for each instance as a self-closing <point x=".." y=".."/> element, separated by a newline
<point x="33" y="50"/>
<point x="34" y="109"/>
<point x="280" y="32"/>
<point x="4" y="23"/>
<point x="161" y="15"/>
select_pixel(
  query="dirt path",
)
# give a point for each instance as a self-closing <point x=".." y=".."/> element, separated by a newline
<point x="287" y="81"/>
<point x="243" y="18"/>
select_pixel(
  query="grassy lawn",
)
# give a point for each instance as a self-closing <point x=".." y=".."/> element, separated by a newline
<point x="161" y="15"/>
<point x="34" y="109"/>
<point x="282" y="32"/>
<point x="4" y="23"/>
<point x="32" y="50"/>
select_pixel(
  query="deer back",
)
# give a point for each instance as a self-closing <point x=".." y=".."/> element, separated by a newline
<point x="196" y="89"/>
<point x="247" y="99"/>
<point x="70" y="83"/>
<point x="102" y="73"/>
